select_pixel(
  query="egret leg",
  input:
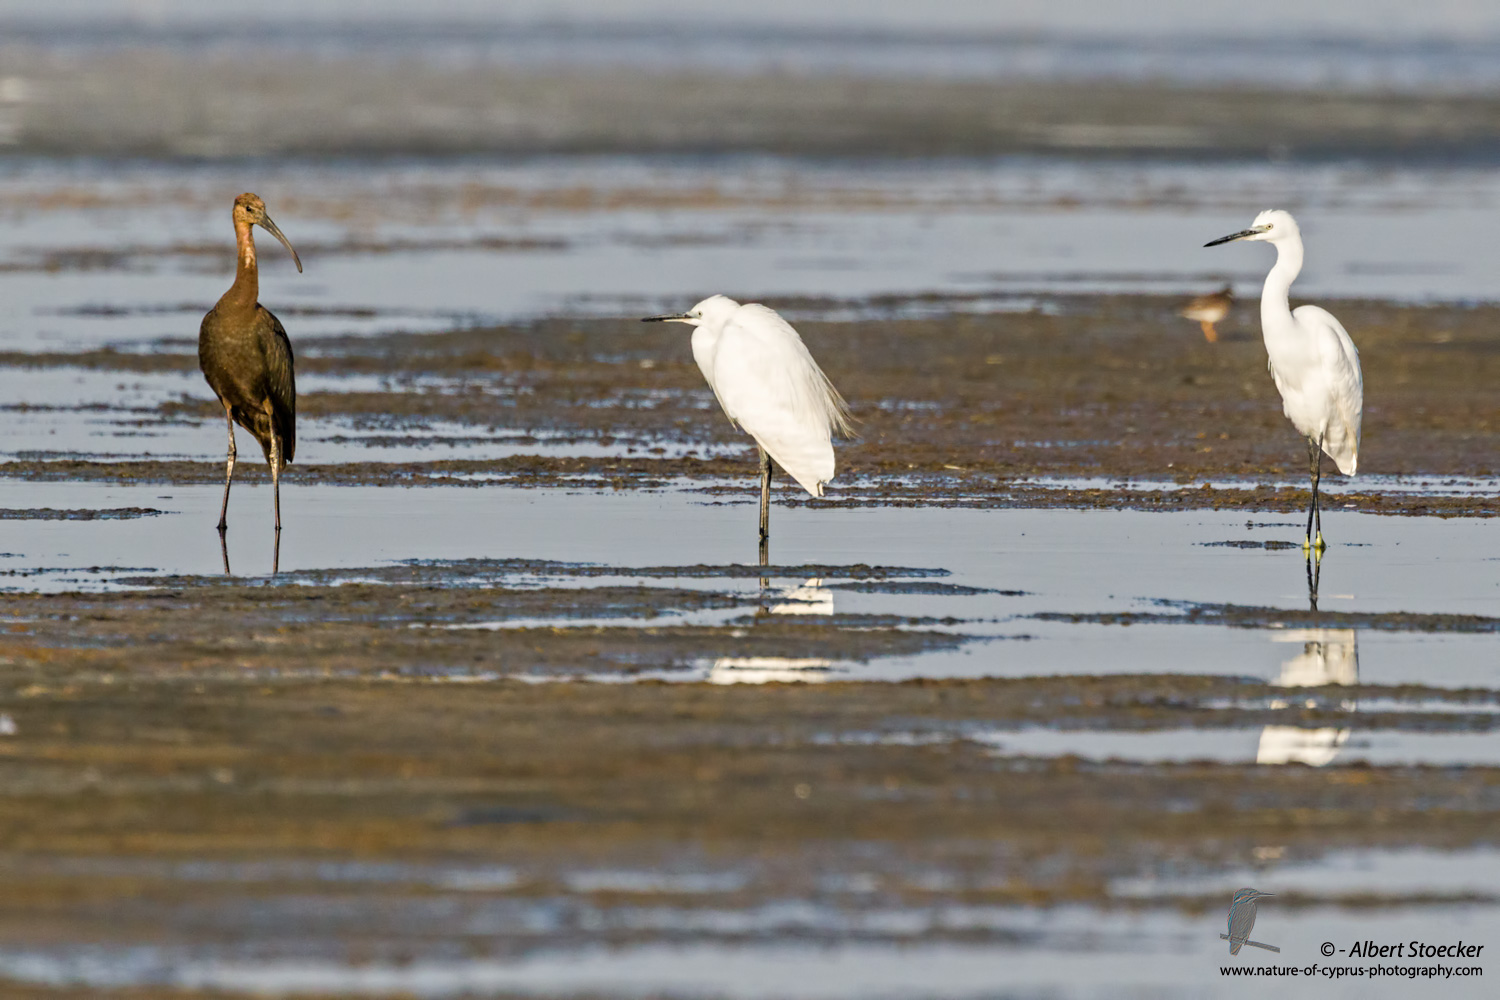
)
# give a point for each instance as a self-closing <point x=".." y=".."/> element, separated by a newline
<point x="224" y="551"/>
<point x="1317" y="500"/>
<point x="765" y="501"/>
<point x="228" y="476"/>
<point x="1209" y="333"/>
<point x="276" y="477"/>
<point x="765" y="558"/>
<point x="1314" y="453"/>
<point x="1314" y="571"/>
<point x="276" y="553"/>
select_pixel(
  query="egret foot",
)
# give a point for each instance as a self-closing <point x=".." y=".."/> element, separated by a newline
<point x="1320" y="545"/>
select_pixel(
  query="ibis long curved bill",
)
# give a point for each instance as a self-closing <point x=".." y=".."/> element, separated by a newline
<point x="265" y="223"/>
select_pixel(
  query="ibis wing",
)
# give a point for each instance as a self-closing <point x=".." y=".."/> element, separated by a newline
<point x="770" y="385"/>
<point x="281" y="383"/>
<point x="1338" y="363"/>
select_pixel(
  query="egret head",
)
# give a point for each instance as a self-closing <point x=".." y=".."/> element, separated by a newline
<point x="712" y="311"/>
<point x="1271" y="225"/>
<point x="250" y="210"/>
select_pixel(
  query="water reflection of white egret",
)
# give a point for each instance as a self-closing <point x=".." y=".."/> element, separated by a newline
<point x="1329" y="656"/>
<point x="769" y="670"/>
<point x="811" y="598"/>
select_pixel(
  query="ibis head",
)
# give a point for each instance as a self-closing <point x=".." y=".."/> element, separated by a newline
<point x="250" y="210"/>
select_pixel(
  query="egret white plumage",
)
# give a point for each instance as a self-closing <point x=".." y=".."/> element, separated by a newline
<point x="768" y="383"/>
<point x="1311" y="358"/>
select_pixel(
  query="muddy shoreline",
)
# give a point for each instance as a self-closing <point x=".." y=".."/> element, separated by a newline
<point x="958" y="409"/>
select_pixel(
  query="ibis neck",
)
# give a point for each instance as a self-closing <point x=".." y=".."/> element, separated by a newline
<point x="246" y="287"/>
<point x="1275" y="298"/>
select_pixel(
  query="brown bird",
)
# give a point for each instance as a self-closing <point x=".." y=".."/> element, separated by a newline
<point x="1208" y="310"/>
<point x="246" y="357"/>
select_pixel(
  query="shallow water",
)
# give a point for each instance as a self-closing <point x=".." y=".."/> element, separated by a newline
<point x="1151" y="952"/>
<point x="1056" y="564"/>
<point x="755" y="228"/>
<point x="102" y="415"/>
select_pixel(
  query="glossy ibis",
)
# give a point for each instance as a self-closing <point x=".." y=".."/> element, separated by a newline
<point x="246" y="357"/>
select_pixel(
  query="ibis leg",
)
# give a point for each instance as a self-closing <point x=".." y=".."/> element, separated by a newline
<point x="228" y="473"/>
<point x="1209" y="333"/>
<point x="276" y="477"/>
<point x="224" y="551"/>
<point x="276" y="553"/>
<point x="765" y="499"/>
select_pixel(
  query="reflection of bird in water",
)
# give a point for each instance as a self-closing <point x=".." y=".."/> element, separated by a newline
<point x="768" y="383"/>
<point x="1313" y="361"/>
<point x="1242" y="917"/>
<point x="246" y="357"/>
<point x="811" y="598"/>
<point x="1329" y="656"/>
<point x="1314" y="574"/>
<point x="1208" y="310"/>
<point x="769" y="670"/>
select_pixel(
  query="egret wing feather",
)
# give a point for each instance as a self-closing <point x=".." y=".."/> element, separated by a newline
<point x="705" y="347"/>
<point x="768" y="383"/>
<point x="1338" y="364"/>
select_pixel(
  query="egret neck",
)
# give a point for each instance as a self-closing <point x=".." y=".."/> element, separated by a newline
<point x="1279" y="330"/>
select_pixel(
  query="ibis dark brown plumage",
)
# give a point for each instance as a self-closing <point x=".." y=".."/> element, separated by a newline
<point x="246" y="357"/>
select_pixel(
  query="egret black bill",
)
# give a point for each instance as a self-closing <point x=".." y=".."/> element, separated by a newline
<point x="674" y="318"/>
<point x="1254" y="231"/>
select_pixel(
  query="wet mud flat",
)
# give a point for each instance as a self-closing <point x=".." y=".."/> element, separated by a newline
<point x="433" y="777"/>
<point x="960" y="407"/>
<point x="520" y="704"/>
<point x="361" y="822"/>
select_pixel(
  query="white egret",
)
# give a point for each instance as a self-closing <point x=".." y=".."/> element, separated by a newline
<point x="768" y="383"/>
<point x="1313" y="361"/>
